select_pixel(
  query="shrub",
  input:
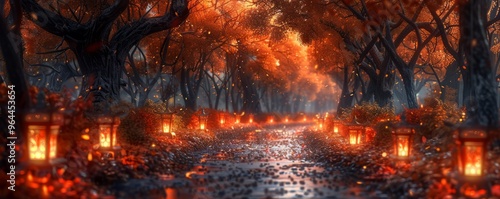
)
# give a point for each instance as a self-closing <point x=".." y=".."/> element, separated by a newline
<point x="140" y="124"/>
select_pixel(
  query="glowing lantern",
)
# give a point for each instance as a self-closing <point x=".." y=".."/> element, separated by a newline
<point x="286" y="119"/>
<point x="250" y="119"/>
<point x="270" y="119"/>
<point x="321" y="123"/>
<point x="43" y="129"/>
<point x="471" y="142"/>
<point x="222" y="118"/>
<point x="356" y="131"/>
<point x="237" y="120"/>
<point x="166" y="122"/>
<point x="403" y="140"/>
<point x="203" y="120"/>
<point x="107" y="127"/>
<point x="336" y="126"/>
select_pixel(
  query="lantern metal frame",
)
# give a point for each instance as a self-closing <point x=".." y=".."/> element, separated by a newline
<point x="166" y="118"/>
<point x="222" y="118"/>
<point x="336" y="125"/>
<point x="468" y="137"/>
<point x="359" y="130"/>
<point x="111" y="123"/>
<point x="403" y="134"/>
<point x="50" y="123"/>
<point x="202" y="119"/>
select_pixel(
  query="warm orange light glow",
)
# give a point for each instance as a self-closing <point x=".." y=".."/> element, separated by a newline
<point x="89" y="157"/>
<point x="335" y="129"/>
<point x="171" y="193"/>
<point x="250" y="120"/>
<point x="286" y="120"/>
<point x="353" y="137"/>
<point x="474" y="160"/>
<point x="166" y="128"/>
<point x="38" y="142"/>
<point x="202" y="126"/>
<point x="105" y="135"/>
<point x="402" y="143"/>
<point x="85" y="137"/>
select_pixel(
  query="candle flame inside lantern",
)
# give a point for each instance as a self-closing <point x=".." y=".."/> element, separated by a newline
<point x="251" y="120"/>
<point x="38" y="142"/>
<point x="166" y="128"/>
<point x="335" y="129"/>
<point x="202" y="126"/>
<point x="473" y="164"/>
<point x="353" y="137"/>
<point x="403" y="146"/>
<point x="105" y="136"/>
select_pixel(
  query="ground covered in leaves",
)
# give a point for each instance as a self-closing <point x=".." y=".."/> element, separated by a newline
<point x="274" y="161"/>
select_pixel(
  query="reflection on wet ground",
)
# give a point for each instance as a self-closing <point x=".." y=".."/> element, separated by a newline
<point x="261" y="164"/>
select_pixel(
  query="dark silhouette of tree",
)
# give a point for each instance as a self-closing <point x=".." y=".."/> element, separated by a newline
<point x="102" y="40"/>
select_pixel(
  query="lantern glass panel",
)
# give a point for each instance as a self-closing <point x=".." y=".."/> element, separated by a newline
<point x="353" y="137"/>
<point x="105" y="135"/>
<point x="402" y="145"/>
<point x="37" y="144"/>
<point x="473" y="156"/>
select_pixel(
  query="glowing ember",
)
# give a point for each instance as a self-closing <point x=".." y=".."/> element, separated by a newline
<point x="384" y="154"/>
<point x="85" y="137"/>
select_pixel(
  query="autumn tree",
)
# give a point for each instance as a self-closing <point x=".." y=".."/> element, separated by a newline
<point x="100" y="36"/>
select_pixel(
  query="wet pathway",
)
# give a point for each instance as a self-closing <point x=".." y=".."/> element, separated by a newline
<point x="266" y="163"/>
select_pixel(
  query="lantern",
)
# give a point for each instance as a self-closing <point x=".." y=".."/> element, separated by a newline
<point x="222" y="118"/>
<point x="286" y="119"/>
<point x="203" y="120"/>
<point x="270" y="119"/>
<point x="237" y="119"/>
<point x="356" y="131"/>
<point x="321" y="123"/>
<point x="166" y="122"/>
<point x="250" y="119"/>
<point x="107" y="127"/>
<point x="336" y="126"/>
<point x="43" y="129"/>
<point x="471" y="142"/>
<point x="403" y="140"/>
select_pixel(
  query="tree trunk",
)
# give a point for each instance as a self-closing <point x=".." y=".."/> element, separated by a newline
<point x="408" y="77"/>
<point x="346" y="98"/>
<point x="101" y="71"/>
<point x="483" y="107"/>
<point x="383" y="89"/>
<point x="450" y="79"/>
